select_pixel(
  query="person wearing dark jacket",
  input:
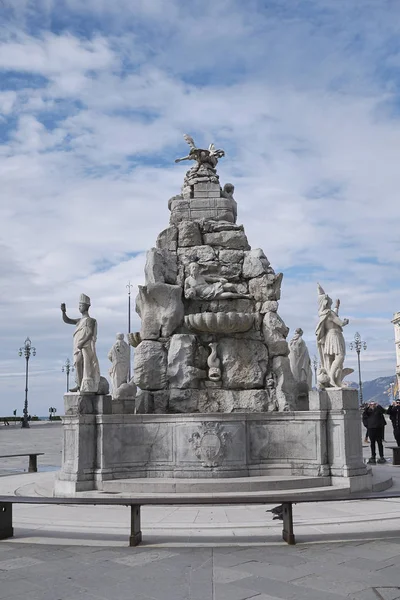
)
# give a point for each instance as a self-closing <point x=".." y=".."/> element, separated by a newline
<point x="375" y="422"/>
<point x="394" y="415"/>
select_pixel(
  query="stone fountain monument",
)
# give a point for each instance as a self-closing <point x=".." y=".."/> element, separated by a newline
<point x="216" y="394"/>
<point x="210" y="335"/>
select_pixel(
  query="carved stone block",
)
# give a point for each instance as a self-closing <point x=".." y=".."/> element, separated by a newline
<point x="231" y="256"/>
<point x="244" y="363"/>
<point x="189" y="401"/>
<point x="150" y="365"/>
<point x="255" y="263"/>
<point x="207" y="187"/>
<point x="87" y="404"/>
<point x="181" y="357"/>
<point x="195" y="253"/>
<point x="216" y="226"/>
<point x="144" y="403"/>
<point x="233" y="239"/>
<point x="161" y="401"/>
<point x="168" y="239"/>
<point x="217" y="209"/>
<point x="189" y="234"/>
<point x="266" y="287"/>
<point x="229" y="401"/>
<point x="161" y="310"/>
<point x="161" y="266"/>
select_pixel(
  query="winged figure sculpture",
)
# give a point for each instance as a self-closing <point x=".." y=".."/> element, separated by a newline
<point x="209" y="157"/>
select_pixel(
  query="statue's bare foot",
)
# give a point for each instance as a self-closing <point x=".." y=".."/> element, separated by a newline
<point x="75" y="389"/>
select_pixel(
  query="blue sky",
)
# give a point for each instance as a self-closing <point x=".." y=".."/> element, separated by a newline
<point x="94" y="99"/>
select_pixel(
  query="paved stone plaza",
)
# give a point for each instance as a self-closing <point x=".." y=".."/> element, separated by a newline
<point x="349" y="550"/>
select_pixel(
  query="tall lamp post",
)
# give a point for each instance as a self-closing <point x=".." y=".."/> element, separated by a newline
<point x="67" y="368"/>
<point x="129" y="286"/>
<point x="315" y="367"/>
<point x="358" y="345"/>
<point x="26" y="350"/>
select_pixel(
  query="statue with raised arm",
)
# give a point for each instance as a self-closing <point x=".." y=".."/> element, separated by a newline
<point x="203" y="157"/>
<point x="330" y="340"/>
<point x="119" y="356"/>
<point x="209" y="287"/>
<point x="87" y="370"/>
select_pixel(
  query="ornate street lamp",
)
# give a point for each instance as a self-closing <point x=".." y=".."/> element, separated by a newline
<point x="26" y="350"/>
<point x="67" y="368"/>
<point x="315" y="367"/>
<point x="129" y="286"/>
<point x="358" y="345"/>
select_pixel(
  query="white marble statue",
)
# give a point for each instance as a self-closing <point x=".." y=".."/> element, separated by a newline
<point x="299" y="357"/>
<point x="330" y="340"/>
<point x="214" y="363"/>
<point x="87" y="370"/>
<point x="209" y="287"/>
<point x="119" y="356"/>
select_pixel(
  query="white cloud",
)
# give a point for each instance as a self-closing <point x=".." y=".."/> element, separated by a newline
<point x="54" y="55"/>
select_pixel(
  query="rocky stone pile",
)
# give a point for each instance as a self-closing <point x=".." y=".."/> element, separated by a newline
<point x="211" y="339"/>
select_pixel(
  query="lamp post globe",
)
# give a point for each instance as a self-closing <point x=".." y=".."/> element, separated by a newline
<point x="67" y="368"/>
<point x="26" y="350"/>
<point x="358" y="345"/>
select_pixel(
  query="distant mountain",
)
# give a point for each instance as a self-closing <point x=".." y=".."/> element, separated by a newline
<point x="375" y="390"/>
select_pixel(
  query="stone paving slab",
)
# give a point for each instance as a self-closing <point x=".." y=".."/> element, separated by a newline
<point x="347" y="550"/>
<point x="29" y="571"/>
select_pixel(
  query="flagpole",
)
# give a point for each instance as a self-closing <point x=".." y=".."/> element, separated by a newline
<point x="129" y="286"/>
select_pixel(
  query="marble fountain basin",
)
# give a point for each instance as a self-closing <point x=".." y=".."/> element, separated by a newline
<point x="220" y="322"/>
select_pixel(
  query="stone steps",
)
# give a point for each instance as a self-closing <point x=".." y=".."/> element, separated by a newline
<point x="228" y="485"/>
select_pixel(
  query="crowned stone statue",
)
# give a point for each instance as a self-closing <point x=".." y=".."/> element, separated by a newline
<point x="330" y="340"/>
<point x="87" y="370"/>
<point x="119" y="356"/>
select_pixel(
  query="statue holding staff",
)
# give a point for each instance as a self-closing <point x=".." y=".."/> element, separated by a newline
<point x="330" y="340"/>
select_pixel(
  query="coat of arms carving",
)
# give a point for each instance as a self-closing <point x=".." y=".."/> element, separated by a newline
<point x="210" y="443"/>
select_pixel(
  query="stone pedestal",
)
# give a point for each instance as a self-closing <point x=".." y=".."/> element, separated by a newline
<point x="123" y="406"/>
<point x="102" y="446"/>
<point x="87" y="404"/>
<point x="79" y="442"/>
<point x="344" y="436"/>
<point x="322" y="442"/>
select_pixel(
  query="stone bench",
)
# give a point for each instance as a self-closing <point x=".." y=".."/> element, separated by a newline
<point x="285" y="500"/>
<point x="32" y="468"/>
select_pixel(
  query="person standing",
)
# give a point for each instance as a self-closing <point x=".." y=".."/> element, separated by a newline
<point x="394" y="415"/>
<point x="374" y="421"/>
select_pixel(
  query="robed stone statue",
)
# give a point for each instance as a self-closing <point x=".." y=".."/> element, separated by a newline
<point x="87" y="370"/>
<point x="119" y="356"/>
<point x="300" y="363"/>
